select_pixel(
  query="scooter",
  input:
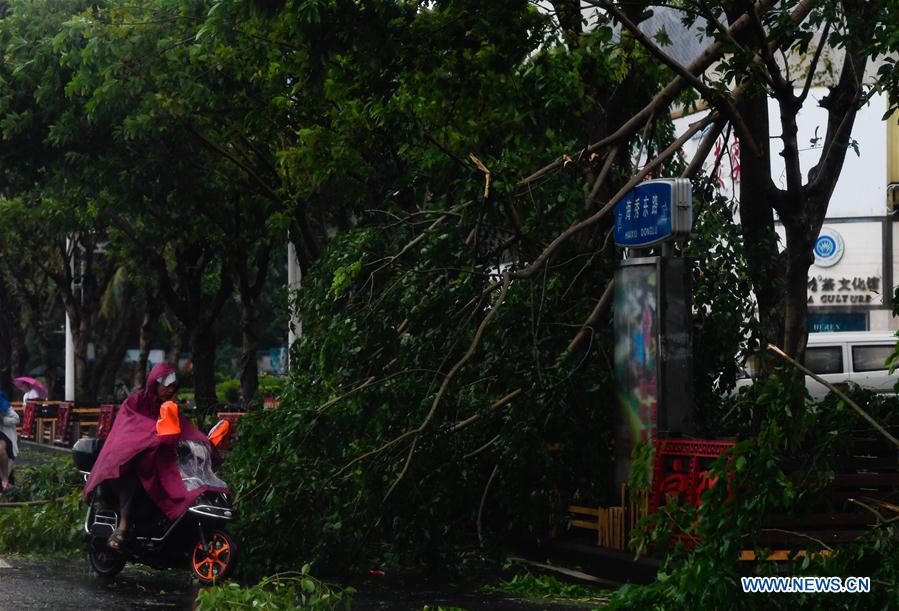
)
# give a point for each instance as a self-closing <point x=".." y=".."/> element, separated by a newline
<point x="197" y="538"/>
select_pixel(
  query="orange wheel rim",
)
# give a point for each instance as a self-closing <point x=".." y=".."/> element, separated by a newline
<point x="211" y="560"/>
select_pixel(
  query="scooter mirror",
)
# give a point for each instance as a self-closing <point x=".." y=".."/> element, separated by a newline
<point x="219" y="432"/>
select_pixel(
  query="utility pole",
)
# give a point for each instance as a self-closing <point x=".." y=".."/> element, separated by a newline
<point x="70" y="342"/>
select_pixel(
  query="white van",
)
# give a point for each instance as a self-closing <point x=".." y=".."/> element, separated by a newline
<point x="853" y="356"/>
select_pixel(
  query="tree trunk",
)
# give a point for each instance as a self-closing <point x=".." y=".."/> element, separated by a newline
<point x="10" y="335"/>
<point x="152" y="309"/>
<point x="108" y="364"/>
<point x="82" y="367"/>
<point x="139" y="376"/>
<point x="49" y="355"/>
<point x="801" y="257"/>
<point x="249" y="297"/>
<point x="18" y="352"/>
<point x="757" y="195"/>
<point x="202" y="345"/>
<point x="249" y="371"/>
<point x="176" y="343"/>
<point x="197" y="311"/>
<point x="568" y="14"/>
<point x="6" y="366"/>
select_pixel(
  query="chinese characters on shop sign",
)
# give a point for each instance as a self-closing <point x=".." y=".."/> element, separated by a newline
<point x="827" y="290"/>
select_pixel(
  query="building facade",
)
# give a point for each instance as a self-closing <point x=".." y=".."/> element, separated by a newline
<point x="856" y="269"/>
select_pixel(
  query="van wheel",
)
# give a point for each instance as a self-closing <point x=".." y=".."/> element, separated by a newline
<point x="215" y="560"/>
<point x="105" y="563"/>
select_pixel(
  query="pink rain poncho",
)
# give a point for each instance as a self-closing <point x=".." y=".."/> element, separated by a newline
<point x="134" y="446"/>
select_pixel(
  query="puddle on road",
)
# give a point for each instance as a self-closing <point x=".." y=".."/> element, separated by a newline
<point x="146" y="588"/>
<point x="69" y="583"/>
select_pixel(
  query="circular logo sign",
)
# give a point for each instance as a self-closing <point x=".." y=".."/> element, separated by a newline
<point x="828" y="248"/>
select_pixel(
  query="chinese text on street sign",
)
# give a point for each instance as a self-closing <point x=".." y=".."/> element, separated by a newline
<point x="653" y="212"/>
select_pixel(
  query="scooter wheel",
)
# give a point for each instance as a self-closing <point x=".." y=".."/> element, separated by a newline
<point x="215" y="560"/>
<point x="105" y="563"/>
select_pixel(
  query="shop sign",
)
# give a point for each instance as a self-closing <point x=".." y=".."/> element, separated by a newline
<point x="834" y="290"/>
<point x="829" y="247"/>
<point x="837" y="322"/>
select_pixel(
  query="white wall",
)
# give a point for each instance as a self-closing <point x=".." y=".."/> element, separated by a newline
<point x="857" y="278"/>
<point x="861" y="189"/>
<point x="860" y="192"/>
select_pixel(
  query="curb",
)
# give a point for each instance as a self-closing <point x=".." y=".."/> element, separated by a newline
<point x="43" y="447"/>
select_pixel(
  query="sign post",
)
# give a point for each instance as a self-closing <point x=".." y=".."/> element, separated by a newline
<point x="652" y="317"/>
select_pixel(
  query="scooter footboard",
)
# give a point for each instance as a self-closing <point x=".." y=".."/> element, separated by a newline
<point x="100" y="521"/>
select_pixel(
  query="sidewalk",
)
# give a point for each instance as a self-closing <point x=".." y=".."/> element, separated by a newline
<point x="31" y="453"/>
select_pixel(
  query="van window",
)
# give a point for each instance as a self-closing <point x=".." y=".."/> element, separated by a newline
<point x="870" y="358"/>
<point x="825" y="359"/>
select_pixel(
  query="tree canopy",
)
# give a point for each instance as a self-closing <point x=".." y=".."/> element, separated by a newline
<point x="446" y="170"/>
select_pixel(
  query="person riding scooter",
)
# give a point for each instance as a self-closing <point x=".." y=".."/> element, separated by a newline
<point x="141" y="450"/>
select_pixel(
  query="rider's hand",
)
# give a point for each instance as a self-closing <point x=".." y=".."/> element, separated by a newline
<point x="169" y="424"/>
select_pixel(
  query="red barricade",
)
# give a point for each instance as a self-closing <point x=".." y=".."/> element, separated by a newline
<point x="63" y="424"/>
<point x="28" y="421"/>
<point x="106" y="420"/>
<point x="682" y="470"/>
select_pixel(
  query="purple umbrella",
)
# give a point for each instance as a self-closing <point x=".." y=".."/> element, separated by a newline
<point x="25" y="383"/>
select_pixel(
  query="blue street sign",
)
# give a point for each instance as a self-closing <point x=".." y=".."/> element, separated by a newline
<point x="653" y="212"/>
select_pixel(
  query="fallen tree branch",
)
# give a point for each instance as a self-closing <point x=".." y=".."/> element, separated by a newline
<point x="32" y="503"/>
<point x="715" y="97"/>
<point x="495" y="406"/>
<point x="388" y="260"/>
<point x="482" y="448"/>
<point x="404" y="470"/>
<point x="481" y="506"/>
<point x="603" y="173"/>
<point x="836" y="391"/>
<point x="709" y="56"/>
<point x="703" y="150"/>
<point x="440" y="393"/>
<point x="601" y="304"/>
<point x="798" y="534"/>
<point x="633" y="182"/>
<point x="371" y="381"/>
<point x="606" y="583"/>
<point x="883" y="504"/>
<point x="469" y="353"/>
<point x="877" y="514"/>
<point x="488" y="177"/>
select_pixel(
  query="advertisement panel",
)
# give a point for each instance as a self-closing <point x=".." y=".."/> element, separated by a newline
<point x="636" y="356"/>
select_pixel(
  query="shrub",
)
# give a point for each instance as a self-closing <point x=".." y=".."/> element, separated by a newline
<point x="770" y="475"/>
<point x="228" y="392"/>
<point x="292" y="590"/>
<point x="54" y="526"/>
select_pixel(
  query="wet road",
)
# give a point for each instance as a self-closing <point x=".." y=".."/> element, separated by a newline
<point x="69" y="583"/>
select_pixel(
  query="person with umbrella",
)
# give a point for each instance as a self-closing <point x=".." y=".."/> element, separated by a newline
<point x="9" y="420"/>
<point x="33" y="389"/>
